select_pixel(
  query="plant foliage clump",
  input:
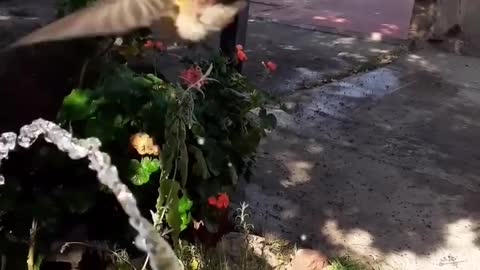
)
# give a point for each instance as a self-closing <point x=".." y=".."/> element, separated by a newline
<point x="191" y="142"/>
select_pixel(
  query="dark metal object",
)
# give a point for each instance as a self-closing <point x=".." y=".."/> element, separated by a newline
<point x="235" y="34"/>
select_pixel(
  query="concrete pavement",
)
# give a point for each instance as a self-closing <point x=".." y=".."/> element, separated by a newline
<point x="386" y="19"/>
<point x="383" y="166"/>
<point x="307" y="58"/>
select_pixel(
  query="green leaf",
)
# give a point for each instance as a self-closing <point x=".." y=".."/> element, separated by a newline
<point x="154" y="79"/>
<point x="173" y="138"/>
<point x="215" y="157"/>
<point x="186" y="219"/>
<point x="168" y="156"/>
<point x="140" y="178"/>
<point x="198" y="130"/>
<point x="199" y="167"/>
<point x="184" y="204"/>
<point x="150" y="165"/>
<point x="178" y="209"/>
<point x="169" y="198"/>
<point x="141" y="171"/>
<point x="246" y="143"/>
<point x="186" y="111"/>
<point x="175" y="154"/>
<point x="77" y="105"/>
<point x="183" y="163"/>
<point x="233" y="173"/>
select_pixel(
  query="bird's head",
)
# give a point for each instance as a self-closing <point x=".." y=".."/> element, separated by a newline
<point x="197" y="18"/>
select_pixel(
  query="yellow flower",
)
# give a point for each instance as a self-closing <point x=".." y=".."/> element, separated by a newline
<point x="144" y="145"/>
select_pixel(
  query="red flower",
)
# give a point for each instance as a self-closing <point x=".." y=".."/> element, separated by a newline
<point x="270" y="66"/>
<point x="149" y="44"/>
<point x="212" y="201"/>
<point x="241" y="55"/>
<point x="222" y="201"/>
<point x="192" y="77"/>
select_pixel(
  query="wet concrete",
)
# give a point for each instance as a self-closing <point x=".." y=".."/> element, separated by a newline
<point x="18" y="18"/>
<point x="382" y="165"/>
<point x="382" y="18"/>
<point x="305" y="58"/>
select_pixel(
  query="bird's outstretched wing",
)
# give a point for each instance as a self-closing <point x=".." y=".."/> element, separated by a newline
<point x="107" y="17"/>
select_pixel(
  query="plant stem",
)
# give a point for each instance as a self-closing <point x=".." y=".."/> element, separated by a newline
<point x="3" y="263"/>
<point x="88" y="60"/>
<point x="144" y="267"/>
<point x="31" y="249"/>
<point x="167" y="201"/>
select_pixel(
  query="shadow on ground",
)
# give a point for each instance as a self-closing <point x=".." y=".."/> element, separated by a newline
<point x="384" y="165"/>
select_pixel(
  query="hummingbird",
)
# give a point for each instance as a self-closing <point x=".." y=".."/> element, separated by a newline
<point x="177" y="20"/>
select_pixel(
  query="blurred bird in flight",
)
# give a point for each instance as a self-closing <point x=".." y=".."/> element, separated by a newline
<point x="169" y="20"/>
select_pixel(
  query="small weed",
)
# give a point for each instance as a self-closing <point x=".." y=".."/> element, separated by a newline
<point x="346" y="263"/>
<point x="117" y="256"/>
<point x="284" y="250"/>
<point x="225" y="256"/>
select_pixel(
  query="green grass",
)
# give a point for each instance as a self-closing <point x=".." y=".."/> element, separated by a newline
<point x="347" y="263"/>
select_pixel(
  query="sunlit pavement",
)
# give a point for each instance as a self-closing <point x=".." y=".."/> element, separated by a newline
<point x="382" y="165"/>
<point x="377" y="19"/>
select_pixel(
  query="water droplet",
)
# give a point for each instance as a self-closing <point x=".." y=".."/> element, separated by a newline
<point x="303" y="237"/>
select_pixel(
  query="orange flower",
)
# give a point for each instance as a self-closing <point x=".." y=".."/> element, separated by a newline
<point x="241" y="55"/>
<point x="270" y="66"/>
